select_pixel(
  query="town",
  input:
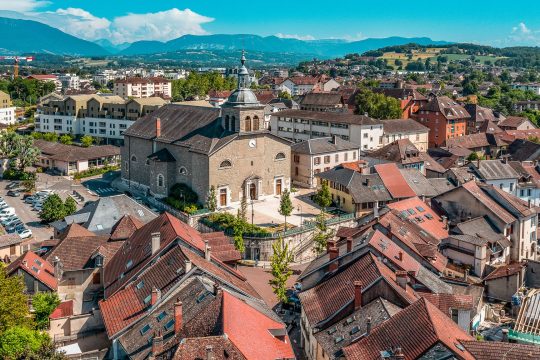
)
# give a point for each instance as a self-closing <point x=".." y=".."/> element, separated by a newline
<point x="377" y="204"/>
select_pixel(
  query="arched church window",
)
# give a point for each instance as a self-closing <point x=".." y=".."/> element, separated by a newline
<point x="255" y="123"/>
<point x="160" y="180"/>
<point x="183" y="171"/>
<point x="280" y="156"/>
<point x="247" y="124"/>
<point x="133" y="158"/>
<point x="225" y="164"/>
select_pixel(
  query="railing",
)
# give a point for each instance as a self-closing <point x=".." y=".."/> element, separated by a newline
<point x="525" y="337"/>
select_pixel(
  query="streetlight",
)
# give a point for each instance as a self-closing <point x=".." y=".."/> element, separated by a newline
<point x="299" y="208"/>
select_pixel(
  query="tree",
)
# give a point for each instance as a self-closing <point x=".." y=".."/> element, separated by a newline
<point x="17" y="340"/>
<point x="322" y="234"/>
<point x="238" y="233"/>
<point x="70" y="206"/>
<point x="53" y="209"/>
<point x="29" y="185"/>
<point x="285" y="206"/>
<point x="66" y="139"/>
<point x="284" y="95"/>
<point x="13" y="302"/>
<point x="473" y="156"/>
<point x="44" y="304"/>
<point x="377" y="105"/>
<point x="211" y="201"/>
<point x="280" y="262"/>
<point x="87" y="141"/>
<point x="323" y="198"/>
<point x="27" y="153"/>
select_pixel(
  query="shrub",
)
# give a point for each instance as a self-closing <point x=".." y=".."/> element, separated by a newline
<point x="95" y="171"/>
<point x="183" y="192"/>
<point x="228" y="221"/>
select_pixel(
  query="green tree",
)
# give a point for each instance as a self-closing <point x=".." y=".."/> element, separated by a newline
<point x="473" y="156"/>
<point x="238" y="233"/>
<point x="70" y="206"/>
<point x="284" y="95"/>
<point x="377" y="105"/>
<point x="87" y="141"/>
<point x="66" y="139"/>
<point x="322" y="234"/>
<point x="44" y="303"/>
<point x="323" y="198"/>
<point x="27" y="153"/>
<point x="29" y="185"/>
<point x="285" y="206"/>
<point x="280" y="263"/>
<point x="51" y="137"/>
<point x="13" y="302"/>
<point x="18" y="340"/>
<point x="53" y="209"/>
<point x="211" y="201"/>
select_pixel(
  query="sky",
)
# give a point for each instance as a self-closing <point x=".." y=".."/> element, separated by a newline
<point x="496" y="22"/>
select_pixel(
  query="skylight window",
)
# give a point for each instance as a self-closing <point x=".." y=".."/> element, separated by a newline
<point x="39" y="263"/>
<point x="129" y="264"/>
<point x="338" y="339"/>
<point x="411" y="211"/>
<point x="429" y="216"/>
<point x="147" y="299"/>
<point x="140" y="212"/>
<point x="140" y="285"/>
<point x="99" y="227"/>
<point x="355" y="329"/>
<point x="332" y="330"/>
<point x="35" y="269"/>
<point x="145" y="329"/>
<point x="161" y="316"/>
<point x="169" y="325"/>
<point x="419" y="208"/>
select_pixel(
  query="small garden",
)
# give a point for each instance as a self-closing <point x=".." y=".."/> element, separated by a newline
<point x="95" y="171"/>
<point x="183" y="198"/>
<point x="227" y="222"/>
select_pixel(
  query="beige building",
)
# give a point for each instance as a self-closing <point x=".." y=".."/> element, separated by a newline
<point x="226" y="147"/>
<point x="406" y="129"/>
<point x="143" y="87"/>
<point x="314" y="156"/>
<point x="7" y="112"/>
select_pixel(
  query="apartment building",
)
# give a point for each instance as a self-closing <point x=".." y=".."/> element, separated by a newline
<point x="534" y="87"/>
<point x="143" y="87"/>
<point x="7" y="112"/>
<point x="406" y="129"/>
<point x="301" y="125"/>
<point x="103" y="78"/>
<point x="70" y="82"/>
<point x="101" y="116"/>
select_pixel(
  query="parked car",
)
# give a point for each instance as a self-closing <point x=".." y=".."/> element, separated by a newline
<point x="12" y="185"/>
<point x="37" y="207"/>
<point x="7" y="211"/>
<point x="29" y="199"/>
<point x="11" y="228"/>
<point x="7" y="215"/>
<point x="44" y="193"/>
<point x="25" y="233"/>
<point x="10" y="220"/>
<point x="13" y="193"/>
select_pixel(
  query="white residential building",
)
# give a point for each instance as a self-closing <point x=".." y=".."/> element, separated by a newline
<point x="7" y="112"/>
<point x="70" y="81"/>
<point x="143" y="87"/>
<point x="104" y="77"/>
<point x="535" y="88"/>
<point x="301" y="125"/>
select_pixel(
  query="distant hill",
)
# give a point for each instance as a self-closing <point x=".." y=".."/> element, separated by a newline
<point x="27" y="36"/>
<point x="320" y="48"/>
<point x="110" y="47"/>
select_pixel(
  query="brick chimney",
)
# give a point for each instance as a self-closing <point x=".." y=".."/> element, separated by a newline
<point x="158" y="127"/>
<point x="156" y="242"/>
<point x="399" y="256"/>
<point x="207" y="251"/>
<point x="330" y="244"/>
<point x="445" y="222"/>
<point x="357" y="295"/>
<point x="401" y="278"/>
<point x="334" y="253"/>
<point x="157" y="343"/>
<point x="349" y="244"/>
<point x="177" y="317"/>
<point x="187" y="265"/>
<point x="156" y="294"/>
<point x="368" y="325"/>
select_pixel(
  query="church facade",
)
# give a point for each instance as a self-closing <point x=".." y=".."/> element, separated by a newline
<point x="226" y="147"/>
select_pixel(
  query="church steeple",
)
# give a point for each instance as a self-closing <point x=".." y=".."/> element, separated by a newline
<point x="243" y="73"/>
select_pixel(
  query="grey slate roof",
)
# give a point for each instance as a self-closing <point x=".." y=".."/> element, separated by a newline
<point x="329" y="116"/>
<point x="400" y="126"/>
<point x="523" y="150"/>
<point x="481" y="227"/>
<point x="322" y="99"/>
<point x="421" y="185"/>
<point x="362" y="187"/>
<point x="495" y="170"/>
<point x="470" y="239"/>
<point x="100" y="216"/>
<point x="323" y="146"/>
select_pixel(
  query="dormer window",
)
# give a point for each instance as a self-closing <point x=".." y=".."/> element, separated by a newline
<point x="99" y="260"/>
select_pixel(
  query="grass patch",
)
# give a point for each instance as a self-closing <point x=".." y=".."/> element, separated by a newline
<point x="95" y="171"/>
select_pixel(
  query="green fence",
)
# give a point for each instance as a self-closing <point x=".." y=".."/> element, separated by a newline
<point x="524" y="337"/>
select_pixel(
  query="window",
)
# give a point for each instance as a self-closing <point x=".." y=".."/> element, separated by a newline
<point x="511" y="187"/>
<point x="296" y="158"/>
<point x="327" y="159"/>
<point x="354" y="155"/>
<point x="134" y="158"/>
<point x="247" y="124"/>
<point x="337" y="157"/>
<point x="161" y="316"/>
<point x="280" y="156"/>
<point x="255" y="123"/>
<point x="169" y="325"/>
<point x="317" y="160"/>
<point x="454" y="315"/>
<point x="346" y="156"/>
<point x="160" y="180"/>
<point x="145" y="329"/>
<point x="225" y="164"/>
<point x="183" y="171"/>
<point x="233" y="123"/>
<point x="227" y="123"/>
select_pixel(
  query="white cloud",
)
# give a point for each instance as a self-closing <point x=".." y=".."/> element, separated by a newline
<point x="77" y="22"/>
<point x="295" y="36"/>
<point x="22" y="5"/>
<point x="354" y="37"/>
<point x="522" y="35"/>
<point x="163" y="25"/>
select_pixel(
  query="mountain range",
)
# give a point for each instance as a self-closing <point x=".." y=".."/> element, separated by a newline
<point x="23" y="36"/>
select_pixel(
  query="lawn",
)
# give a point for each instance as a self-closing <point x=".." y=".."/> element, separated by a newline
<point x="431" y="53"/>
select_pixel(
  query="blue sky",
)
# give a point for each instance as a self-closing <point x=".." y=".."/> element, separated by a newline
<point x="498" y="23"/>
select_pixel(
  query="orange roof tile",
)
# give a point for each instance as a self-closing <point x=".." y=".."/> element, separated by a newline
<point x="65" y="308"/>
<point x="395" y="183"/>
<point x="430" y="221"/>
<point x="36" y="267"/>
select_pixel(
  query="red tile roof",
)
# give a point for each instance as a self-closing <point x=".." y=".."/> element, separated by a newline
<point x="445" y="302"/>
<point x="429" y="326"/>
<point x="395" y="183"/>
<point x="325" y="299"/>
<point x="65" y="308"/>
<point x="75" y="252"/>
<point x="125" y="227"/>
<point x="505" y="270"/>
<point x="196" y="348"/>
<point x="75" y="230"/>
<point x="251" y="331"/>
<point x="490" y="350"/>
<point x="393" y="252"/>
<point x="432" y="224"/>
<point x="36" y="267"/>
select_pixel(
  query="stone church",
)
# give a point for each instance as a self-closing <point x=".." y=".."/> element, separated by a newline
<point x="226" y="147"/>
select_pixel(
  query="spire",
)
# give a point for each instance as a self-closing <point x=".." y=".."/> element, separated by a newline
<point x="243" y="74"/>
<point x="243" y="58"/>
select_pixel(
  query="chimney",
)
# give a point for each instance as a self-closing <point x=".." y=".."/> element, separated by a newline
<point x="357" y="295"/>
<point x="330" y="244"/>
<point x="401" y="278"/>
<point x="156" y="294"/>
<point x="349" y="244"/>
<point x="217" y="289"/>
<point x="366" y="182"/>
<point x="398" y="354"/>
<point x="207" y="251"/>
<point x="177" y="317"/>
<point x="423" y="197"/>
<point x="399" y="256"/>
<point x="368" y="325"/>
<point x="445" y="222"/>
<point x="334" y="139"/>
<point x="209" y="352"/>
<point x="158" y="127"/>
<point x="187" y="265"/>
<point x="157" y="344"/>
<point x="156" y="242"/>
<point x="334" y="253"/>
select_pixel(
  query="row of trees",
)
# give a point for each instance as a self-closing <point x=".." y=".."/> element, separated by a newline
<point x="198" y="85"/>
<point x="55" y="209"/>
<point x="66" y="139"/>
<point x="26" y="91"/>
<point x="21" y="333"/>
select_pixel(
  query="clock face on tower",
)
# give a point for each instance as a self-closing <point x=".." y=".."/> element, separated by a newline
<point x="252" y="143"/>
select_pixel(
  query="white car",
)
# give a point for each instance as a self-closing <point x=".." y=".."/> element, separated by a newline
<point x="44" y="193"/>
<point x="25" y="233"/>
